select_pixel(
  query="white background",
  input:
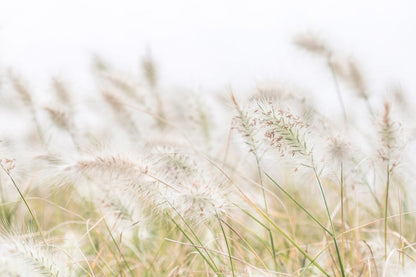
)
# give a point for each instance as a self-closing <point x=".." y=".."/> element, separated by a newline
<point x="207" y="44"/>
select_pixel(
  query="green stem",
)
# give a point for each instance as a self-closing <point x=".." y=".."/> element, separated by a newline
<point x="26" y="204"/>
<point x="266" y="209"/>
<point x="210" y="261"/>
<point x="342" y="214"/>
<point x="228" y="246"/>
<point x="118" y="249"/>
<point x="299" y="205"/>
<point x="284" y="234"/>
<point x="329" y="217"/>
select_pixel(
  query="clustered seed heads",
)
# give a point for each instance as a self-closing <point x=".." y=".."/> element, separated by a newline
<point x="201" y="201"/>
<point x="184" y="187"/>
<point x="283" y="130"/>
<point x="174" y="164"/>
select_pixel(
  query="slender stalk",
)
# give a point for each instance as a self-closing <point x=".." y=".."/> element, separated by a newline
<point x="370" y="110"/>
<point x="331" y="233"/>
<point x="329" y="217"/>
<point x="212" y="264"/>
<point x="248" y="132"/>
<point x="228" y="246"/>
<point x="386" y="210"/>
<point x="401" y="226"/>
<point x="342" y="214"/>
<point x="38" y="128"/>
<point x="286" y="236"/>
<point x="337" y="89"/>
<point x="267" y="211"/>
<point x="299" y="205"/>
<point x="209" y="261"/>
<point x="26" y="204"/>
<point x="119" y="251"/>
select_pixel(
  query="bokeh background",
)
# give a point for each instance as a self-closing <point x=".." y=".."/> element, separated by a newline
<point x="208" y="45"/>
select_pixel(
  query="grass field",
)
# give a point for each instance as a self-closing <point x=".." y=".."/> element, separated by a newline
<point x="135" y="179"/>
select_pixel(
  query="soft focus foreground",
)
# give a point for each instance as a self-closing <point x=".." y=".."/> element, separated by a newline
<point x="139" y="180"/>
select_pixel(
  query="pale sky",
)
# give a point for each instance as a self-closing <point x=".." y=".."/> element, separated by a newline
<point x="207" y="44"/>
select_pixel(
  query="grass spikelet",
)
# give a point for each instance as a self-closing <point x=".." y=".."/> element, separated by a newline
<point x="389" y="135"/>
<point x="61" y="91"/>
<point x="150" y="73"/>
<point x="26" y="98"/>
<point x="244" y="124"/>
<point x="283" y="130"/>
<point x="107" y="167"/>
<point x="201" y="201"/>
<point x="58" y="117"/>
<point x="22" y="256"/>
<point x="338" y="148"/>
<point x="124" y="85"/>
<point x="63" y="121"/>
<point x="149" y="69"/>
<point x="356" y="79"/>
<point x="172" y="162"/>
<point x="350" y="72"/>
<point x="122" y="115"/>
<point x="312" y="43"/>
<point x="21" y="88"/>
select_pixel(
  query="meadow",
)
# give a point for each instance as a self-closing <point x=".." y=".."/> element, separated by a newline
<point x="136" y="179"/>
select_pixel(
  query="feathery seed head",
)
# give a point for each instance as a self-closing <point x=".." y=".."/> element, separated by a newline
<point x="283" y="130"/>
<point x="338" y="149"/>
<point x="61" y="91"/>
<point x="313" y="44"/>
<point x="357" y="79"/>
<point x="388" y="131"/>
<point x="149" y="69"/>
<point x="108" y="167"/>
<point x="60" y="118"/>
<point x="30" y="259"/>
<point x="350" y="72"/>
<point x="21" y="88"/>
<point x="199" y="200"/>
<point x="245" y="123"/>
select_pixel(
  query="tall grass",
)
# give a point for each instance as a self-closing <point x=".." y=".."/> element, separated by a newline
<point x="142" y="180"/>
